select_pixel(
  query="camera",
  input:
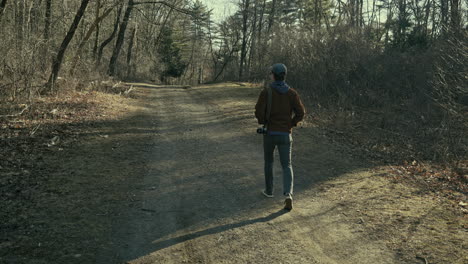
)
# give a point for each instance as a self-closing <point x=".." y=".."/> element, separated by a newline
<point x="261" y="130"/>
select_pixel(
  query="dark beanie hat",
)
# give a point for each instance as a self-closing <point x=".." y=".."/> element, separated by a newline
<point x="279" y="68"/>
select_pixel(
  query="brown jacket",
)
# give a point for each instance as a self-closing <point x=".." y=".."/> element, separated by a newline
<point x="282" y="108"/>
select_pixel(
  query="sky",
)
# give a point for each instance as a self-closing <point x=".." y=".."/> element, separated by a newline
<point x="221" y="8"/>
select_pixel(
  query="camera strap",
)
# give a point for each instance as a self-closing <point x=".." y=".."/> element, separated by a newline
<point x="269" y="102"/>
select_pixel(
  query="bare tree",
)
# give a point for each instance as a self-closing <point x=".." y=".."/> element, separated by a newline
<point x="57" y="62"/>
<point x="131" y="45"/>
<point x="271" y="19"/>
<point x="120" y="39"/>
<point x="96" y="36"/>
<point x="48" y="14"/>
<point x="111" y="36"/>
<point x="252" y="46"/>
<point x="123" y="27"/>
<point x="88" y="35"/>
<point x="455" y="15"/>
<point x="245" y="16"/>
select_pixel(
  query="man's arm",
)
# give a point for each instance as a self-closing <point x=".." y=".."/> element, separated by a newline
<point x="298" y="108"/>
<point x="260" y="107"/>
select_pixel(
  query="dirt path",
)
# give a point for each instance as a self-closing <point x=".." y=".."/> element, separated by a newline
<point x="178" y="180"/>
<point x="199" y="199"/>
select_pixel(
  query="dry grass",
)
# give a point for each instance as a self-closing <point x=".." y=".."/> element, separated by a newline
<point x="50" y="126"/>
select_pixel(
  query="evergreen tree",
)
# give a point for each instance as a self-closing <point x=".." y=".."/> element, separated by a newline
<point x="170" y="55"/>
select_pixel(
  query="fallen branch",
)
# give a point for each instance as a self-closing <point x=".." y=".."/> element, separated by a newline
<point x="116" y="85"/>
<point x="422" y="258"/>
<point x="129" y="90"/>
<point x="34" y="130"/>
<point x="15" y="115"/>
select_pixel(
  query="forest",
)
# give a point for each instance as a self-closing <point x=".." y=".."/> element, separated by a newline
<point x="89" y="87"/>
<point x="401" y="63"/>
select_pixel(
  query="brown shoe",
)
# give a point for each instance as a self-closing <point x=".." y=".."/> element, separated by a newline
<point x="288" y="203"/>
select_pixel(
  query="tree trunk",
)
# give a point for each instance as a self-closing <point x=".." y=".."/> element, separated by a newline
<point x="96" y="36"/>
<point x="455" y="15"/>
<point x="272" y="16"/>
<point x="200" y="75"/>
<point x="57" y="63"/>
<point x="34" y="16"/>
<point x="110" y="38"/>
<point x="48" y="14"/>
<point x="2" y="8"/>
<point x="245" y="10"/>
<point x="444" y="14"/>
<point x="361" y="16"/>
<point x="252" y="41"/>
<point x="227" y="58"/>
<point x="129" y="52"/>
<point x="87" y="36"/>
<point x="120" y="39"/>
<point x="210" y="40"/>
<point x="260" y="45"/>
<point x="19" y="16"/>
<point x="426" y="17"/>
<point x="317" y="13"/>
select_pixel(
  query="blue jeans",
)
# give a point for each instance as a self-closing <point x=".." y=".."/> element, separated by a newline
<point x="284" y="143"/>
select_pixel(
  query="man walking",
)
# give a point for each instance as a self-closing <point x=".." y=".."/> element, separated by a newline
<point x="279" y="108"/>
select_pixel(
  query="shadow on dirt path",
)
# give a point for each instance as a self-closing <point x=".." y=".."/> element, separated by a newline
<point x="215" y="230"/>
